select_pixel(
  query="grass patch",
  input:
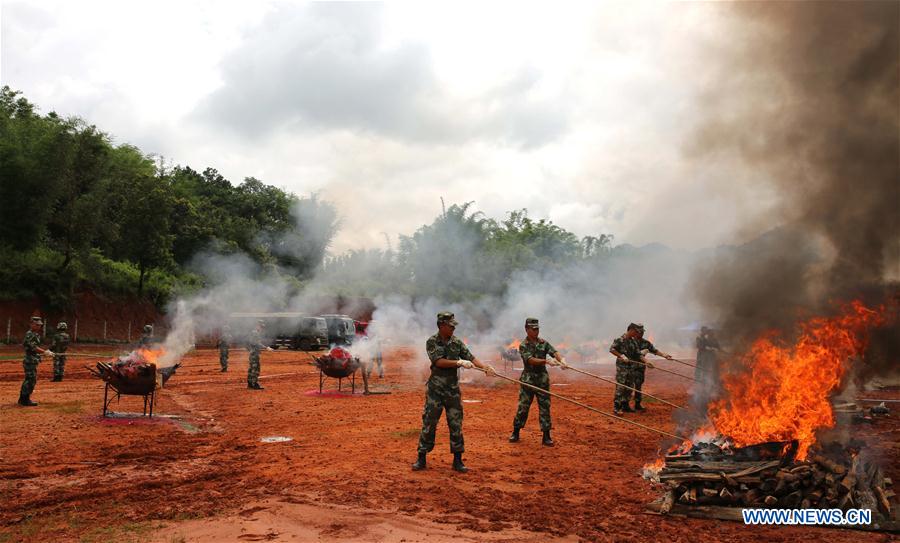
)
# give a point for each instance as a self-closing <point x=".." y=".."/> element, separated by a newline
<point x="131" y="532"/>
<point x="68" y="408"/>
<point x="404" y="434"/>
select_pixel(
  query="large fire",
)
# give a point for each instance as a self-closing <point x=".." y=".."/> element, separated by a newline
<point x="514" y="344"/>
<point x="784" y="391"/>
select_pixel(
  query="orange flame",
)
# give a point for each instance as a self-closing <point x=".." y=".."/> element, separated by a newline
<point x="151" y="356"/>
<point x="783" y="394"/>
<point x="514" y="344"/>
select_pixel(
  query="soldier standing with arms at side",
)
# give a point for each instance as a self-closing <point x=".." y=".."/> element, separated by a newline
<point x="59" y="346"/>
<point x="225" y="339"/>
<point x="447" y="354"/>
<point x="630" y="366"/>
<point x="33" y="353"/>
<point x="534" y="352"/>
<point x="254" y="345"/>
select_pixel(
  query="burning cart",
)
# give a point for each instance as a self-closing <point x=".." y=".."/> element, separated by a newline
<point x="132" y="375"/>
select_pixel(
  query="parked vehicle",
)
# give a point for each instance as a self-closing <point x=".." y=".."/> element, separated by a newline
<point x="341" y="329"/>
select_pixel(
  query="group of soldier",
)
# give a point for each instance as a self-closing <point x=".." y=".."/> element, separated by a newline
<point x="59" y="344"/>
<point x="448" y="354"/>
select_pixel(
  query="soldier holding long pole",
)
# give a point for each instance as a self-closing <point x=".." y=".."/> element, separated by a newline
<point x="630" y="369"/>
<point x="447" y="354"/>
<point x="535" y="352"/>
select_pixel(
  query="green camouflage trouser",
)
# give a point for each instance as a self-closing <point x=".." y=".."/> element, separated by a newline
<point x="541" y="380"/>
<point x="626" y="375"/>
<point x="638" y="380"/>
<point x="253" y="369"/>
<point x="223" y="357"/>
<point x="30" y="364"/>
<point x="59" y="366"/>
<point x="442" y="393"/>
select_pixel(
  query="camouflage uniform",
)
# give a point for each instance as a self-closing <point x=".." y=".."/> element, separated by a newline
<point x="442" y="392"/>
<point x="30" y="363"/>
<point x="630" y="373"/>
<point x="254" y="345"/>
<point x="59" y="346"/>
<point x="537" y="376"/>
<point x="224" y="340"/>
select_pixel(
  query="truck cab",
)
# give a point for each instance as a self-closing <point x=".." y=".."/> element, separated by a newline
<point x="303" y="334"/>
<point x="341" y="329"/>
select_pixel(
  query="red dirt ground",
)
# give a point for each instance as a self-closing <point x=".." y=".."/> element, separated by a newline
<point x="67" y="474"/>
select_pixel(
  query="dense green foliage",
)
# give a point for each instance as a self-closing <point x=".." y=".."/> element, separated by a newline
<point x="76" y="210"/>
<point x="462" y="255"/>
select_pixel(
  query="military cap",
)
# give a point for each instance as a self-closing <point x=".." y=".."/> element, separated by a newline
<point x="445" y="317"/>
<point x="37" y="320"/>
<point x="636" y="326"/>
<point x="532" y="322"/>
<point x="148" y="328"/>
<point x="62" y="326"/>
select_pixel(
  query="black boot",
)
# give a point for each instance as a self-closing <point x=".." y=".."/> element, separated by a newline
<point x="616" y="409"/>
<point x="547" y="441"/>
<point x="420" y="463"/>
<point x="458" y="463"/>
<point x="514" y="436"/>
<point x="639" y="407"/>
<point x="627" y="408"/>
<point x="256" y="386"/>
<point x="26" y="401"/>
<point x="224" y="370"/>
<point x="56" y="379"/>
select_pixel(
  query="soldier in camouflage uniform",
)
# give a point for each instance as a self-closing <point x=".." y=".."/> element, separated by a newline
<point x="225" y="339"/>
<point x="147" y="338"/>
<point x="254" y="345"/>
<point x="629" y="350"/>
<point x="33" y="353"/>
<point x="59" y="346"/>
<point x="534" y="352"/>
<point x="447" y="354"/>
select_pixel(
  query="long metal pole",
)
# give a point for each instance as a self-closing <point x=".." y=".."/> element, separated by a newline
<point x="686" y="364"/>
<point x="626" y="386"/>
<point x="570" y="400"/>
<point x="655" y="367"/>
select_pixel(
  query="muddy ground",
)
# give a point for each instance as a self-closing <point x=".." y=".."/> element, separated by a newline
<point x="201" y="473"/>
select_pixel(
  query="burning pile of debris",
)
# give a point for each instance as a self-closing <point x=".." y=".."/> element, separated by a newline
<point x="760" y="446"/>
<point x="713" y="480"/>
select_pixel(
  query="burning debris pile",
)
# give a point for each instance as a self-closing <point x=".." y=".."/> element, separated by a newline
<point x="760" y="446"/>
<point x="769" y="475"/>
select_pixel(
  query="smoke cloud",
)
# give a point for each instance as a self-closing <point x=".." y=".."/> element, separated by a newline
<point x="808" y="96"/>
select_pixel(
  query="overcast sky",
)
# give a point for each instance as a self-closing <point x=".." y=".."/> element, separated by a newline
<point x="576" y="111"/>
